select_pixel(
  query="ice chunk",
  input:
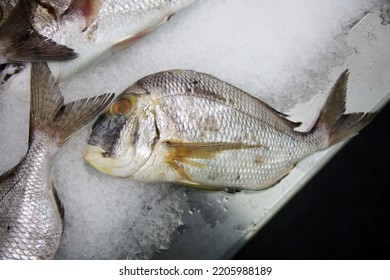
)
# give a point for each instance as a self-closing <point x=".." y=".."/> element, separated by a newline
<point x="280" y="51"/>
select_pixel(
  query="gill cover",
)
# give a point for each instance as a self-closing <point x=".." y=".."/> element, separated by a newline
<point x="123" y="138"/>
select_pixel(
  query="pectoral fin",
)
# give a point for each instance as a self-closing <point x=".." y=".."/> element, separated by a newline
<point x="127" y="42"/>
<point x="188" y="152"/>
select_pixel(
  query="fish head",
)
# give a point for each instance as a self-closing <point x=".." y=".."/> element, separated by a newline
<point x="122" y="138"/>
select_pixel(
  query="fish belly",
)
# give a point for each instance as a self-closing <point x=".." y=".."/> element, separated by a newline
<point x="247" y="168"/>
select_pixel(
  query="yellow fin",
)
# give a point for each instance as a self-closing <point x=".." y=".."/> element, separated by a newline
<point x="185" y="151"/>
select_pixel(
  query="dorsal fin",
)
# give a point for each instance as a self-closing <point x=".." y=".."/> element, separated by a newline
<point x="282" y="116"/>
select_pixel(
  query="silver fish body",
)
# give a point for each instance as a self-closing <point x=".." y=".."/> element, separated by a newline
<point x="114" y="25"/>
<point x="191" y="128"/>
<point x="31" y="216"/>
<point x="73" y="34"/>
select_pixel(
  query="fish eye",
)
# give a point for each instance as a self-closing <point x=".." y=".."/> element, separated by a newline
<point x="121" y="107"/>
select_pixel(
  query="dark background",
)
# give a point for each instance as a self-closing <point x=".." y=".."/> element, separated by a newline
<point x="342" y="213"/>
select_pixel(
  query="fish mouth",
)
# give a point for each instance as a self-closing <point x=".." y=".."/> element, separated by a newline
<point x="95" y="156"/>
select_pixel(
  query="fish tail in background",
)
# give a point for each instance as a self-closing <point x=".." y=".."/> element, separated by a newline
<point x="31" y="214"/>
<point x="19" y="42"/>
<point x="48" y="111"/>
<point x="335" y="126"/>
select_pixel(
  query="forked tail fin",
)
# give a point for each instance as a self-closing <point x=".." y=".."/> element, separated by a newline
<point x="48" y="112"/>
<point x="19" y="42"/>
<point x="333" y="123"/>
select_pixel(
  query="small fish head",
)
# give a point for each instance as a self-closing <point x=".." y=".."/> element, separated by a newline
<point x="118" y="144"/>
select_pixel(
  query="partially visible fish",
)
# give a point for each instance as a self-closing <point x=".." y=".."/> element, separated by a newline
<point x="31" y="217"/>
<point x="194" y="129"/>
<point x="6" y="6"/>
<point x="19" y="42"/>
<point x="8" y="70"/>
<point x="93" y="29"/>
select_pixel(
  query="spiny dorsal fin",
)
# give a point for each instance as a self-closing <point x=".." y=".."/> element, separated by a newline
<point x="21" y="43"/>
<point x="51" y="115"/>
<point x="282" y="116"/>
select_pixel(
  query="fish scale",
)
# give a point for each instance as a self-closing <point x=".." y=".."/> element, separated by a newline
<point x="32" y="203"/>
<point x="73" y="34"/>
<point x="199" y="84"/>
<point x="31" y="216"/>
<point x="192" y="128"/>
<point x="235" y="127"/>
<point x="117" y="25"/>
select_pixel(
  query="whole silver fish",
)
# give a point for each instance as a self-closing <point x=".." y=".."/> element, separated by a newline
<point x="92" y="29"/>
<point x="31" y="219"/>
<point x="191" y="128"/>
